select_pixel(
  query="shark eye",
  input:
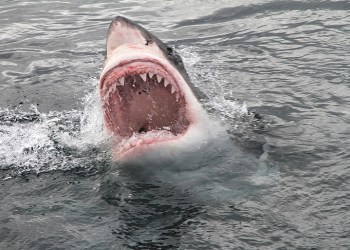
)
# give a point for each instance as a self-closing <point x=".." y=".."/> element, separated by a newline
<point x="170" y="51"/>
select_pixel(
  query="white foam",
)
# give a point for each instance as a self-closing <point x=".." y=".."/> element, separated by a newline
<point x="40" y="142"/>
<point x="207" y="79"/>
<point x="27" y="146"/>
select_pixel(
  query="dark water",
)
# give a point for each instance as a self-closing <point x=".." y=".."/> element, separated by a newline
<point x="279" y="183"/>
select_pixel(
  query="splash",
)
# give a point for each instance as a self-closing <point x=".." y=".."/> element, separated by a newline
<point x="206" y="78"/>
<point x="31" y="141"/>
<point x="41" y="142"/>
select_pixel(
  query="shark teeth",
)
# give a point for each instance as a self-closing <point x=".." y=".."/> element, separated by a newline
<point x="143" y="76"/>
<point x="166" y="83"/>
<point x="159" y="78"/>
<point x="113" y="89"/>
<point x="122" y="81"/>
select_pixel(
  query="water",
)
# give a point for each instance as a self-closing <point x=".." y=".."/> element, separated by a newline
<point x="281" y="182"/>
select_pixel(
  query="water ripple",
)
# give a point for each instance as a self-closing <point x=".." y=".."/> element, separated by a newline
<point x="281" y="182"/>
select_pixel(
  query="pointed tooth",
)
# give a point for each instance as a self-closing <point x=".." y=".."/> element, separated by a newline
<point x="177" y="96"/>
<point x="166" y="82"/>
<point x="159" y="78"/>
<point x="111" y="90"/>
<point x="143" y="76"/>
<point x="172" y="89"/>
<point x="151" y="74"/>
<point x="122" y="80"/>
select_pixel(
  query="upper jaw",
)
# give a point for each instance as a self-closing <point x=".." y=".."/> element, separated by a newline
<point x="145" y="68"/>
<point x="133" y="52"/>
<point x="138" y="53"/>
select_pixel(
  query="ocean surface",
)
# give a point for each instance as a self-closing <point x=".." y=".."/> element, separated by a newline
<point x="276" y="77"/>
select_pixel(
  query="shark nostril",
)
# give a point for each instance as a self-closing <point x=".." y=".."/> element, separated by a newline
<point x="148" y="42"/>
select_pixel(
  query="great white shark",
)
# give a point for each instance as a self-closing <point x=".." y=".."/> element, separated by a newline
<point x="147" y="98"/>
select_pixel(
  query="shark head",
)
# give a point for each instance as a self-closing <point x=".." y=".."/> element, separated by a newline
<point x="146" y="95"/>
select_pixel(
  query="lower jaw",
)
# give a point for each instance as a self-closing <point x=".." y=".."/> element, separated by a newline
<point x="133" y="148"/>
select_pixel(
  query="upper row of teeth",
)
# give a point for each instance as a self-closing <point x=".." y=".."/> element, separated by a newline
<point x="150" y="74"/>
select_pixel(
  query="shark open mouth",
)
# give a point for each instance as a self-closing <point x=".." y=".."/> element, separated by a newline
<point x="141" y="96"/>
